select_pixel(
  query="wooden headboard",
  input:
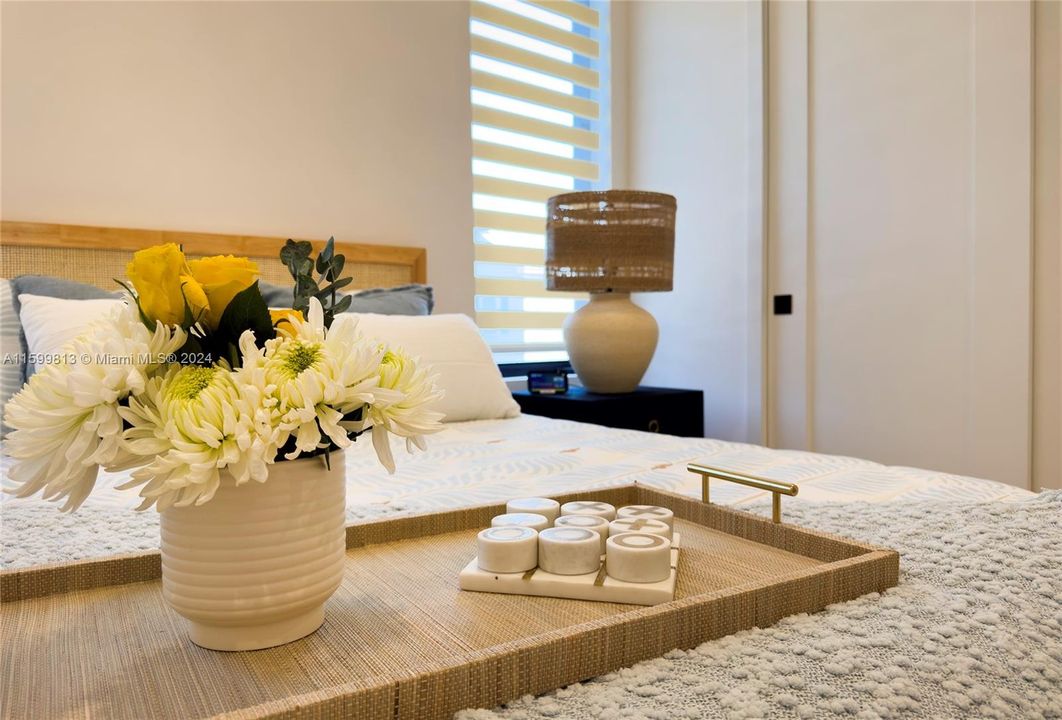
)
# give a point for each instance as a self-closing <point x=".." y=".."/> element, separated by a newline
<point x="98" y="255"/>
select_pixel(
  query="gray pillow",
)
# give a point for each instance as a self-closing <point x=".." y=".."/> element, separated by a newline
<point x="50" y="287"/>
<point x="13" y="369"/>
<point x="276" y="296"/>
<point x="401" y="300"/>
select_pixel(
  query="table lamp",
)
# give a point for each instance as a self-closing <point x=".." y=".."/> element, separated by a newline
<point x="610" y="243"/>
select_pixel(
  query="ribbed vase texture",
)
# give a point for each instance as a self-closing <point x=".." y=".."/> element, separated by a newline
<point x="253" y="567"/>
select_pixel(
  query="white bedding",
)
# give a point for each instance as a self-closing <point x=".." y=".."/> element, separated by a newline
<point x="484" y="461"/>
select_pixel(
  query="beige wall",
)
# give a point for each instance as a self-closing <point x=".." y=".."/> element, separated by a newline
<point x="1047" y="313"/>
<point x="304" y="119"/>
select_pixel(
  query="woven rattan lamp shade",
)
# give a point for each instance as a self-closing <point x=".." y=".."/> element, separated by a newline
<point x="619" y="240"/>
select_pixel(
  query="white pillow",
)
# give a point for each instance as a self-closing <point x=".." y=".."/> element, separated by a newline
<point x="451" y="344"/>
<point x="473" y="385"/>
<point x="50" y="323"/>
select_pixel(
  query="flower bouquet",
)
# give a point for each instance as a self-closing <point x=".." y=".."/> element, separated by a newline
<point x="234" y="419"/>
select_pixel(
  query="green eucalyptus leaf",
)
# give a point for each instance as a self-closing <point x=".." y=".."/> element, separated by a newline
<point x="305" y="287"/>
<point x="287" y="253"/>
<point x="336" y="271"/>
<point x="294" y="250"/>
<point x="343" y="303"/>
<point x="329" y="289"/>
<point x="324" y="258"/>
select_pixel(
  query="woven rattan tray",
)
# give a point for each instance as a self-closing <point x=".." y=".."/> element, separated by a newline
<point x="400" y="640"/>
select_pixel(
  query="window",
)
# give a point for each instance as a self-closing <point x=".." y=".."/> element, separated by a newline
<point x="539" y="127"/>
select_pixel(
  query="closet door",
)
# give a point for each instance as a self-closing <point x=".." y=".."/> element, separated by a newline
<point x="899" y="220"/>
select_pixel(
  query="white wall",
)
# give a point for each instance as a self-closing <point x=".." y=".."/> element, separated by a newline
<point x="1047" y="299"/>
<point x="898" y="193"/>
<point x="902" y="226"/>
<point x="304" y="119"/>
<point x="690" y="79"/>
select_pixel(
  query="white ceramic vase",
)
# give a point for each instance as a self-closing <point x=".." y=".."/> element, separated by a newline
<point x="253" y="567"/>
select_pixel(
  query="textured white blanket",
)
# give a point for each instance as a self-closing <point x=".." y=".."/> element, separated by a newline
<point x="494" y="460"/>
<point x="974" y="630"/>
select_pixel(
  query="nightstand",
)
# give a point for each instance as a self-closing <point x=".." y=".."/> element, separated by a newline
<point x="662" y="410"/>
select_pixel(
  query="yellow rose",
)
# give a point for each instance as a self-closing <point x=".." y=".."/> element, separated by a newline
<point x="222" y="277"/>
<point x="282" y="319"/>
<point x="196" y="297"/>
<point x="164" y="284"/>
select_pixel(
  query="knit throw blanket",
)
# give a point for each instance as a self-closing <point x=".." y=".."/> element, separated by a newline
<point x="974" y="630"/>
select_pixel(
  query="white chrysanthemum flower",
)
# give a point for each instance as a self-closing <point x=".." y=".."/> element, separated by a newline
<point x="65" y="419"/>
<point x="251" y="378"/>
<point x="194" y="422"/>
<point x="406" y="411"/>
<point x="319" y="377"/>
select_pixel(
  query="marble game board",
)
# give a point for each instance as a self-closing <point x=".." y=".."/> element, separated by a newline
<point x="598" y="586"/>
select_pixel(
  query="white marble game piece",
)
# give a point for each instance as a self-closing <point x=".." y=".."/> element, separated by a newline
<point x="550" y="509"/>
<point x="569" y="551"/>
<point x="507" y="549"/>
<point x="589" y="507"/>
<point x="639" y="525"/>
<point x="647" y="512"/>
<point x="590" y="522"/>
<point x="638" y="557"/>
<point x="531" y="520"/>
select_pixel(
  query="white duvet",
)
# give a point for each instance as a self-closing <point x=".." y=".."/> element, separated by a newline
<point x="485" y="461"/>
<point x="489" y="461"/>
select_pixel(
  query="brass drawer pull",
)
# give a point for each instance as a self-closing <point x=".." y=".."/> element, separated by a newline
<point x="777" y="488"/>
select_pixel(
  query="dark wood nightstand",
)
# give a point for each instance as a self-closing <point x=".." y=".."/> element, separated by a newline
<point x="662" y="410"/>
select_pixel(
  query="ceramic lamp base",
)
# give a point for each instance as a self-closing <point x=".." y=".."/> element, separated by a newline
<point x="256" y="637"/>
<point x="610" y="342"/>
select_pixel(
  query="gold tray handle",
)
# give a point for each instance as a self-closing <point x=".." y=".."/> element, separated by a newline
<point x="777" y="488"/>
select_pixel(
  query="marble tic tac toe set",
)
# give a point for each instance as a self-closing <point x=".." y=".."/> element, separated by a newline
<point x="582" y="550"/>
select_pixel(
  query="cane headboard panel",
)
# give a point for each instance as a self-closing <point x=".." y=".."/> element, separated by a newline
<point x="98" y="255"/>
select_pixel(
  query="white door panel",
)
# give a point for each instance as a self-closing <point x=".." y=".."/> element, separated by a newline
<point x="899" y="195"/>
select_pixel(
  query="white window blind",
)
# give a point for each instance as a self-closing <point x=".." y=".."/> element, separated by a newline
<point x="540" y="110"/>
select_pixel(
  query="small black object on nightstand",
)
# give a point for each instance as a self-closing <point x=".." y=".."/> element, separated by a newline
<point x="547" y="382"/>
<point x="662" y="410"/>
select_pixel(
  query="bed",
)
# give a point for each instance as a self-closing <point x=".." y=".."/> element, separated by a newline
<point x="483" y="461"/>
<point x="974" y="629"/>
